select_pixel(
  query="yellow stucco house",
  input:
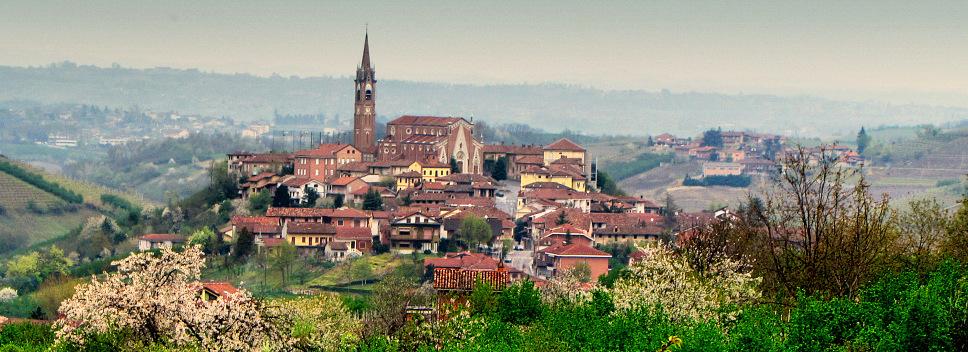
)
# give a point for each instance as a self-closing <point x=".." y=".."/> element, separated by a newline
<point x="430" y="170"/>
<point x="563" y="149"/>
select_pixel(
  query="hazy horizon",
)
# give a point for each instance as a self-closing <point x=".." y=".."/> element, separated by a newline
<point x="887" y="51"/>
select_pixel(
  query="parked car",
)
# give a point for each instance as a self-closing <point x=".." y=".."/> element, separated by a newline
<point x="507" y="260"/>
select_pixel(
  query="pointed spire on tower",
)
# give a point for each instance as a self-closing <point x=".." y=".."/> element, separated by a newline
<point x="366" y="50"/>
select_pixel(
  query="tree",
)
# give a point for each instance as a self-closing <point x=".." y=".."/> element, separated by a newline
<point x="582" y="271"/>
<point x="281" y="197"/>
<point x="260" y="201"/>
<point x="25" y="265"/>
<point x="360" y="269"/>
<point x="607" y="185"/>
<point x="474" y="230"/>
<point x="663" y="279"/>
<point x="670" y="209"/>
<point x="482" y="300"/>
<point x="863" y="140"/>
<point x="372" y="200"/>
<point x="337" y="201"/>
<point x="817" y="232"/>
<point x="52" y="262"/>
<point x="156" y="298"/>
<point x="562" y="218"/>
<point x="205" y="238"/>
<point x="310" y="198"/>
<point x="454" y="167"/>
<point x="923" y="228"/>
<point x="500" y="171"/>
<point x="520" y="303"/>
<point x="319" y="323"/>
<point x="956" y="243"/>
<point x="713" y="138"/>
<point x="244" y="243"/>
<point x="506" y="245"/>
<point x="283" y="257"/>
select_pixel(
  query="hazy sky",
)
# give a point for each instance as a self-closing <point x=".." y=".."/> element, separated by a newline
<point x="897" y="51"/>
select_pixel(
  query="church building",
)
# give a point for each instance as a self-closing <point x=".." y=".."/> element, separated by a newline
<point x="417" y="138"/>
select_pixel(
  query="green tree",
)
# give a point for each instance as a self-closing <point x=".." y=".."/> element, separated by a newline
<point x="863" y="140"/>
<point x="281" y="197"/>
<point x="337" y="201"/>
<point x="244" y="243"/>
<point x="283" y="257"/>
<point x="670" y="209"/>
<point x="372" y="200"/>
<point x="51" y="261"/>
<point x="562" y="218"/>
<point x="607" y="185"/>
<point x="310" y="198"/>
<point x="500" y="171"/>
<point x="956" y="243"/>
<point x="204" y="237"/>
<point x="582" y="271"/>
<point x="25" y="265"/>
<point x="260" y="201"/>
<point x="360" y="269"/>
<point x="454" y="168"/>
<point x="473" y="231"/>
<point x="483" y="301"/>
<point x="520" y="303"/>
<point x="713" y="138"/>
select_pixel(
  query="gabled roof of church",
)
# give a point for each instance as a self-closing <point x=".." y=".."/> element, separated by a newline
<point x="425" y="120"/>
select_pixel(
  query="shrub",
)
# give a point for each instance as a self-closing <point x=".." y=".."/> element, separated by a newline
<point x="25" y="337"/>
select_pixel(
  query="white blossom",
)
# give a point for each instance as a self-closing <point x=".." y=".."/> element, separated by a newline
<point x="7" y="294"/>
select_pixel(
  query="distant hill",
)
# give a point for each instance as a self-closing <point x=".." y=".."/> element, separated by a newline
<point x="29" y="214"/>
<point x="552" y="107"/>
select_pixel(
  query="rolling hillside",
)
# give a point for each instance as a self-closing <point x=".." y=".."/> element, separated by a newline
<point x="31" y="215"/>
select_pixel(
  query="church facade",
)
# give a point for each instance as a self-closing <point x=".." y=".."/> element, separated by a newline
<point x="409" y="137"/>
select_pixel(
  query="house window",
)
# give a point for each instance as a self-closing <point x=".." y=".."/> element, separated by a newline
<point x="340" y="222"/>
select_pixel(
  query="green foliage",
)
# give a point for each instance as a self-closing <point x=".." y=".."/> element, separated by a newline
<point x="281" y="197"/>
<point x="713" y="138"/>
<point x="483" y="301"/>
<point x="338" y="201"/>
<point x="38" y="181"/>
<point x="25" y="337"/>
<point x="607" y="185"/>
<point x="372" y="200"/>
<point x="310" y="198"/>
<point x="520" y="303"/>
<point x="500" y="169"/>
<point x="454" y="167"/>
<point x="474" y="230"/>
<point x="621" y="170"/>
<point x="719" y="180"/>
<point x="244" y="243"/>
<point x="260" y="201"/>
<point x="863" y="140"/>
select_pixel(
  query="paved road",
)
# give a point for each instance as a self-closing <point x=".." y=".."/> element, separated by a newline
<point x="509" y="202"/>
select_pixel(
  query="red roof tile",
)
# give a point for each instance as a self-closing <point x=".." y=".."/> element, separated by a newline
<point x="575" y="250"/>
<point x="425" y="120"/>
<point x="353" y="233"/>
<point x="564" y="144"/>
<point x="162" y="237"/>
<point x="464" y="280"/>
<point x="323" y="151"/>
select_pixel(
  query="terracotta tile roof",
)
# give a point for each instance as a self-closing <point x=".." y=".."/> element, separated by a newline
<point x="337" y="246"/>
<point x="575" y="250"/>
<point x="434" y="186"/>
<point x="353" y="233"/>
<point x="568" y="161"/>
<point x="315" y="213"/>
<point x="471" y="201"/>
<point x="272" y="241"/>
<point x="409" y="174"/>
<point x="355" y="166"/>
<point x="554" y="194"/>
<point x="162" y="237"/>
<point x="425" y="120"/>
<point x="564" y="144"/>
<point x="547" y="185"/>
<point x="463" y="260"/>
<point x="448" y="279"/>
<point x="362" y="190"/>
<point x="296" y="181"/>
<point x="513" y="149"/>
<point x="424" y="196"/>
<point x="220" y="288"/>
<point x="465" y="178"/>
<point x="529" y="159"/>
<point x="323" y="151"/>
<point x="566" y="228"/>
<point x="343" y="181"/>
<point x="258" y="177"/>
<point x="433" y="164"/>
<point x="310" y="228"/>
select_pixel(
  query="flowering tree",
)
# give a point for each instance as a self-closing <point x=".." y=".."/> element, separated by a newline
<point x="7" y="294"/>
<point x="667" y="280"/>
<point x="568" y="286"/>
<point x="156" y="299"/>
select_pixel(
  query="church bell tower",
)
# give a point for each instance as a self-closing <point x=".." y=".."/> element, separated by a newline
<point x="364" y="114"/>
